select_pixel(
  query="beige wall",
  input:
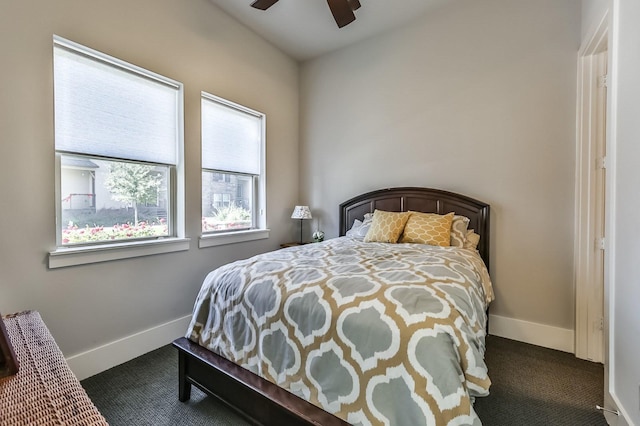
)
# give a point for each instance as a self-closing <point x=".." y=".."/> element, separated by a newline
<point x="196" y="44"/>
<point x="477" y="98"/>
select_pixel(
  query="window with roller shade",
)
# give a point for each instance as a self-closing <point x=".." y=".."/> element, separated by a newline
<point x="118" y="144"/>
<point x="232" y="166"/>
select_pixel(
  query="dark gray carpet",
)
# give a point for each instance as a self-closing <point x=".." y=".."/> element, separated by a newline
<point x="538" y="386"/>
<point x="531" y="386"/>
<point x="144" y="391"/>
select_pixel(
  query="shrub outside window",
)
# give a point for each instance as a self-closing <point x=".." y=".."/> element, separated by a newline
<point x="106" y="200"/>
<point x="232" y="166"/>
<point x="118" y="140"/>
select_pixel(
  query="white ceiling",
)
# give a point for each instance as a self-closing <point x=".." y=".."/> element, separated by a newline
<point x="305" y="28"/>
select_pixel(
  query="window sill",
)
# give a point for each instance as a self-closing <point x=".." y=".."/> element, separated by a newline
<point x="212" y="240"/>
<point x="71" y="256"/>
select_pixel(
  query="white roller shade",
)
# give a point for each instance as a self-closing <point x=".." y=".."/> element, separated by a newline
<point x="231" y="137"/>
<point x="107" y="110"/>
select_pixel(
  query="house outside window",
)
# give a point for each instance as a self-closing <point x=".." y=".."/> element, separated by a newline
<point x="119" y="150"/>
<point x="233" y="178"/>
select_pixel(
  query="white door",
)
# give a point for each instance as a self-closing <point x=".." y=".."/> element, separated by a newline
<point x="592" y="262"/>
<point x="590" y="203"/>
<point x="595" y="345"/>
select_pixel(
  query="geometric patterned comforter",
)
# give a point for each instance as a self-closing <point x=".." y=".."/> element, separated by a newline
<point x="375" y="333"/>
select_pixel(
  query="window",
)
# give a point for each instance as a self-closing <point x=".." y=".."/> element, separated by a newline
<point x="232" y="167"/>
<point x="118" y="142"/>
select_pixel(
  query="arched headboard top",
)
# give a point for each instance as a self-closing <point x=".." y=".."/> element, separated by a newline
<point x="425" y="200"/>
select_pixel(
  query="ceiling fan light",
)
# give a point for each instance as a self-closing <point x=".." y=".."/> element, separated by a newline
<point x="342" y="12"/>
<point x="263" y="4"/>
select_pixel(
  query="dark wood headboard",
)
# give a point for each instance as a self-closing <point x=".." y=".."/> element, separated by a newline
<point x="425" y="200"/>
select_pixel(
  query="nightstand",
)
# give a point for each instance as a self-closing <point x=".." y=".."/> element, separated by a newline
<point x="293" y="244"/>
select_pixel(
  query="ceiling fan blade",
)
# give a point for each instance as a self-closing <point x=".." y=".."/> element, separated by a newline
<point x="355" y="4"/>
<point x="342" y="12"/>
<point x="263" y="4"/>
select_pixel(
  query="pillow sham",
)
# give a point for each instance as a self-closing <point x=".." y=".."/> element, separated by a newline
<point x="472" y="239"/>
<point x="354" y="228"/>
<point x="386" y="227"/>
<point x="359" y="229"/>
<point x="459" y="227"/>
<point x="428" y="228"/>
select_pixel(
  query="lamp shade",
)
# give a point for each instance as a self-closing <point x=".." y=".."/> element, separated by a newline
<point x="301" y="212"/>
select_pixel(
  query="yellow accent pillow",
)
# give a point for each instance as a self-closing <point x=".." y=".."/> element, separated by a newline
<point x="386" y="227"/>
<point x="428" y="228"/>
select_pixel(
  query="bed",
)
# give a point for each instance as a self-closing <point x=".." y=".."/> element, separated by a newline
<point x="299" y="347"/>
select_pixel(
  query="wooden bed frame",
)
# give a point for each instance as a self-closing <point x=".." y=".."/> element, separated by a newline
<point x="261" y="402"/>
<point x="425" y="200"/>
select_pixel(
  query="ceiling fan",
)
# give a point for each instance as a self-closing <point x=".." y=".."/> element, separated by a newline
<point x="342" y="10"/>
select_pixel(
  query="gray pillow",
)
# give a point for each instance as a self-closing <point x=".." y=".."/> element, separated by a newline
<point x="359" y="229"/>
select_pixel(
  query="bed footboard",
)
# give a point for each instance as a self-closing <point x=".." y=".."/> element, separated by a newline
<point x="258" y="400"/>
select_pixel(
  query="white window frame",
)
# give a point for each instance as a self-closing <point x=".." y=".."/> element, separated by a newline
<point x="63" y="256"/>
<point x="260" y="197"/>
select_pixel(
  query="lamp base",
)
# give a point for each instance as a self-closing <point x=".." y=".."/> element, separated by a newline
<point x="300" y="231"/>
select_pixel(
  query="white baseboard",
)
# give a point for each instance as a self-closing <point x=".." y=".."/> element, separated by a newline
<point x="547" y="336"/>
<point x="97" y="360"/>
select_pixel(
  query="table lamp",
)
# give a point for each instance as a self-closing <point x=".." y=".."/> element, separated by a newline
<point x="302" y="213"/>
